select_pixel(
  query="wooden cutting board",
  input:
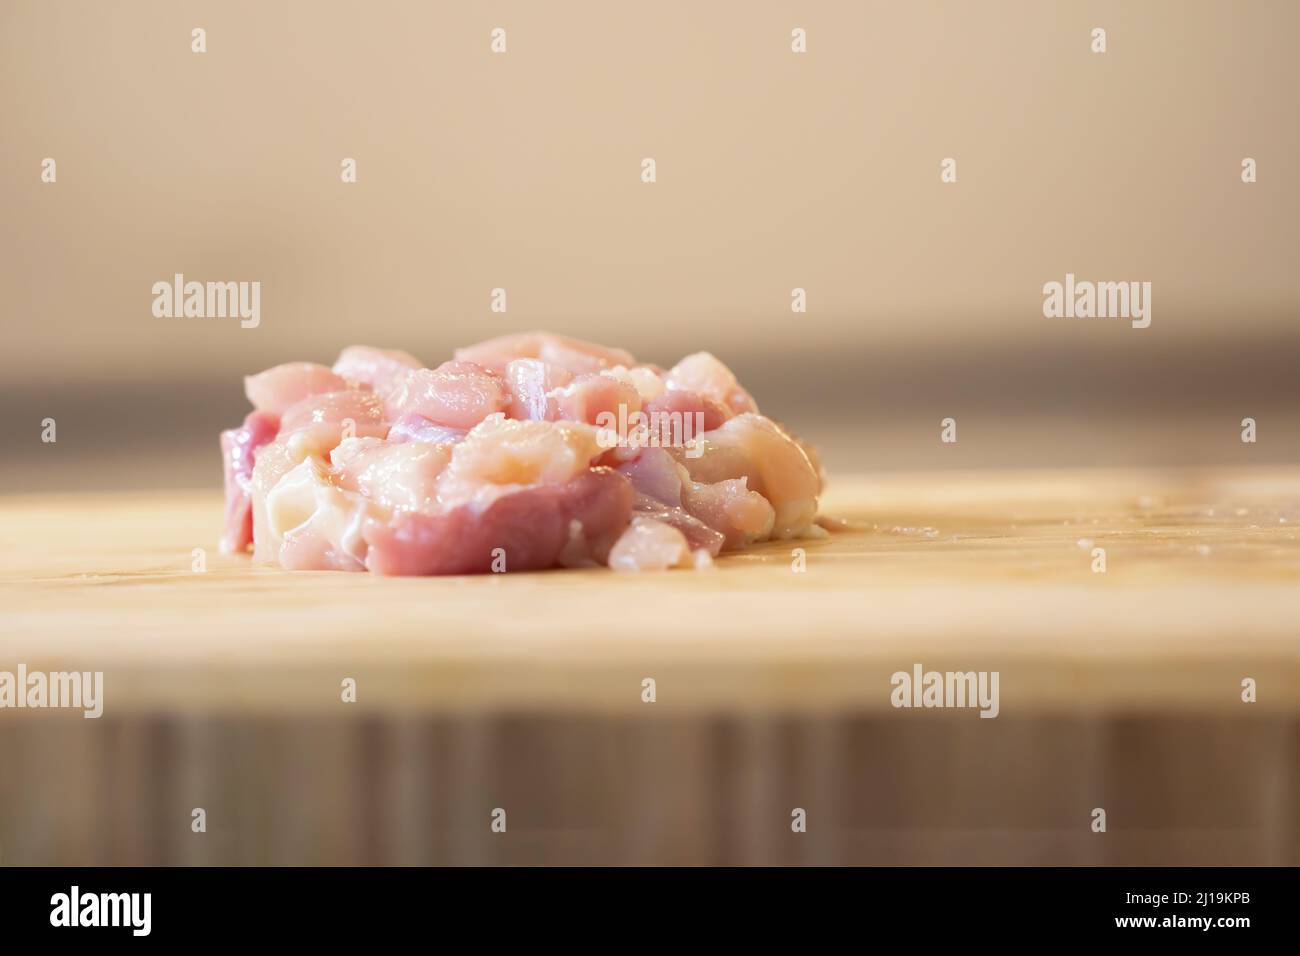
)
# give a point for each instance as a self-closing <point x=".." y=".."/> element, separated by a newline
<point x="987" y="571"/>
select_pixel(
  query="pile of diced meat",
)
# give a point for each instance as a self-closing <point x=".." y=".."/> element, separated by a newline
<point x="524" y="452"/>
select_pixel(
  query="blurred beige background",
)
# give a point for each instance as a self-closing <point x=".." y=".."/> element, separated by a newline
<point x="775" y="171"/>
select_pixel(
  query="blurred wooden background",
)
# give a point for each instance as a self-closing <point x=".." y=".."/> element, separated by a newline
<point x="580" y="789"/>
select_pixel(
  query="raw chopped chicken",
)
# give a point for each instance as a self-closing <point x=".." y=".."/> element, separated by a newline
<point x="569" y="354"/>
<point x="376" y="368"/>
<point x="524" y="452"/>
<point x="280" y="387"/>
<point x="238" y="448"/>
<point x="455" y="394"/>
<point x="648" y="544"/>
<point x="363" y="409"/>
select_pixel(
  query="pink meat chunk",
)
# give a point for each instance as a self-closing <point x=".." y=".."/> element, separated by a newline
<point x="729" y="507"/>
<point x="374" y="368"/>
<point x="676" y="401"/>
<point x="703" y="374"/>
<point x="239" y="447"/>
<point x="733" y="515"/>
<point x="399" y="476"/>
<point x="697" y="534"/>
<point x="277" y="388"/>
<point x="523" y="453"/>
<point x="531" y="382"/>
<point x="274" y="461"/>
<point x="572" y="355"/>
<point x="592" y="395"/>
<point x="418" y="428"/>
<point x="455" y="394"/>
<point x="772" y="462"/>
<point x="526" y="530"/>
<point x="650" y="545"/>
<point x="363" y="409"/>
<point x="656" y="474"/>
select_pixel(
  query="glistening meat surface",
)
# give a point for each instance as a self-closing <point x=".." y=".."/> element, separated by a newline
<point x="521" y="453"/>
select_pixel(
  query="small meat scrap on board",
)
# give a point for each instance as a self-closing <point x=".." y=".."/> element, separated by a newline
<point x="521" y="453"/>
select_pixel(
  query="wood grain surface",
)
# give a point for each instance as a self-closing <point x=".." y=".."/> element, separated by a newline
<point x="983" y="571"/>
<point x="1119" y="690"/>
